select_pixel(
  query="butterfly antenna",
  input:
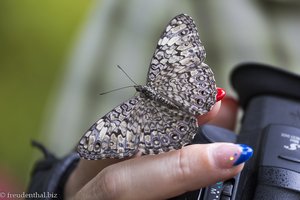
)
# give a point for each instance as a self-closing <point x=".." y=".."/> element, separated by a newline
<point x="116" y="89"/>
<point x="126" y="74"/>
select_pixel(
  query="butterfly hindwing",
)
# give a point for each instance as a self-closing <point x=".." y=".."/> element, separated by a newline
<point x="177" y="70"/>
<point x="140" y="124"/>
<point x="165" y="128"/>
<point x="116" y="135"/>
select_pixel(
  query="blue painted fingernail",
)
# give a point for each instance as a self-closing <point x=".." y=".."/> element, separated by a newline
<point x="227" y="155"/>
<point x="246" y="153"/>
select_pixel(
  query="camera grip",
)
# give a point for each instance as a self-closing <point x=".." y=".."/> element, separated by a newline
<point x="271" y="121"/>
<point x="279" y="173"/>
<point x="267" y="192"/>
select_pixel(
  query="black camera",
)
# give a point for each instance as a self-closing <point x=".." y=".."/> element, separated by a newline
<point x="270" y="99"/>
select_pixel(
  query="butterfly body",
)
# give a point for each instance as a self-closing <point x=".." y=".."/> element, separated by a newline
<point x="161" y="117"/>
<point x="154" y="95"/>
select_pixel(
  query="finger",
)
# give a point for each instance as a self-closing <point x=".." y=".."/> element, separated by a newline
<point x="87" y="169"/>
<point x="169" y="174"/>
<point x="211" y="114"/>
<point x="83" y="173"/>
<point x="227" y="115"/>
<point x="202" y="119"/>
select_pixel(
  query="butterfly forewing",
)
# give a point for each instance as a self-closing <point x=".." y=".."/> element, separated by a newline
<point x="177" y="70"/>
<point x="179" y="43"/>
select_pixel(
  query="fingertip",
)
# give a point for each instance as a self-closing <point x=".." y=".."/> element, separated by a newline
<point x="231" y="102"/>
<point x="198" y="167"/>
<point x="227" y="115"/>
<point x="202" y="119"/>
<point x="228" y="155"/>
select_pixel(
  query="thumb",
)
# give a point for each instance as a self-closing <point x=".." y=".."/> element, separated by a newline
<point x="170" y="174"/>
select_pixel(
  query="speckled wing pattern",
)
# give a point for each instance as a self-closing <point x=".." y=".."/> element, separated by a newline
<point x="115" y="135"/>
<point x="162" y="116"/>
<point x="137" y="124"/>
<point x="164" y="128"/>
<point x="177" y="70"/>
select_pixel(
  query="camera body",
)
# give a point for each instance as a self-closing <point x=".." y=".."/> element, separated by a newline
<point x="270" y="99"/>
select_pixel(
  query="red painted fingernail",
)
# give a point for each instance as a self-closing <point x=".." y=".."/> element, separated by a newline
<point x="221" y="93"/>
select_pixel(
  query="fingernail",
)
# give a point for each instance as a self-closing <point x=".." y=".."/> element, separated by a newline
<point x="228" y="155"/>
<point x="246" y="154"/>
<point x="221" y="93"/>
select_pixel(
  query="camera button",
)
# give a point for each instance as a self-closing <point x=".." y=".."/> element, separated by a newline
<point x="225" y="198"/>
<point x="289" y="158"/>
<point x="227" y="189"/>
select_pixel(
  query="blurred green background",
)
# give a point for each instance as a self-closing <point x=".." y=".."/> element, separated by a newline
<point x="35" y="37"/>
<point x="57" y="56"/>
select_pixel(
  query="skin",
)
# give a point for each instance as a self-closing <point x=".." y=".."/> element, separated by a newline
<point x="160" y="176"/>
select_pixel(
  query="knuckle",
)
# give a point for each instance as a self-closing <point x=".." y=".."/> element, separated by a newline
<point x="193" y="162"/>
<point x="108" y="185"/>
<point x="184" y="168"/>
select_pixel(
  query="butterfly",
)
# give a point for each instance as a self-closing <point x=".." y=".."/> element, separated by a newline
<point x="161" y="117"/>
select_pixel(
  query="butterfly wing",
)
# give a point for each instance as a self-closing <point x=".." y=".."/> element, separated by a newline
<point x="116" y="135"/>
<point x="177" y="71"/>
<point x="178" y="74"/>
<point x="164" y="128"/>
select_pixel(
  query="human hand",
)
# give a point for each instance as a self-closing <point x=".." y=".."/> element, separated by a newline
<point x="165" y="175"/>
